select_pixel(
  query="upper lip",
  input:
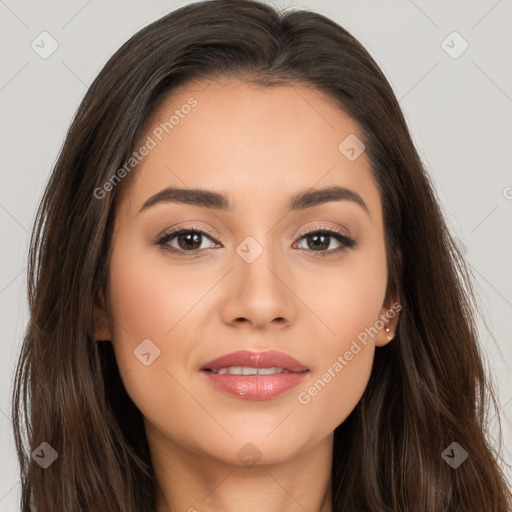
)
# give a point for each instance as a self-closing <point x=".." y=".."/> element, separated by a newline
<point x="253" y="359"/>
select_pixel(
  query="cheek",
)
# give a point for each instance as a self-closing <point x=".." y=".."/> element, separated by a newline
<point x="148" y="301"/>
<point x="345" y="360"/>
<point x="143" y="306"/>
<point x="336" y="387"/>
<point x="351" y="309"/>
<point x="350" y="297"/>
<point x="148" y="297"/>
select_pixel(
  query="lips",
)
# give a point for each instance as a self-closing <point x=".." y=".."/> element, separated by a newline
<point x="249" y="359"/>
<point x="238" y="374"/>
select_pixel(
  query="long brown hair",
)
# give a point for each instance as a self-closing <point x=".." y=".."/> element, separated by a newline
<point x="428" y="387"/>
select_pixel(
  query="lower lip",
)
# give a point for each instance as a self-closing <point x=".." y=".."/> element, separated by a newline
<point x="255" y="387"/>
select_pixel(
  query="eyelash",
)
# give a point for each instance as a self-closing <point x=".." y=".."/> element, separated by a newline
<point x="346" y="241"/>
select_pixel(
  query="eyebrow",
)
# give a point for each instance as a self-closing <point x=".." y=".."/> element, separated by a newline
<point x="219" y="201"/>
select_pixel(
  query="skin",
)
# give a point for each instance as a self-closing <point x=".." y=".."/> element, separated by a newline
<point x="259" y="146"/>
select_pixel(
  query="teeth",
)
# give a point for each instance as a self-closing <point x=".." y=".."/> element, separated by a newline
<point x="243" y="370"/>
<point x="269" y="371"/>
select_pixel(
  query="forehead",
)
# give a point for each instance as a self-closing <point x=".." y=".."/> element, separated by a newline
<point x="252" y="142"/>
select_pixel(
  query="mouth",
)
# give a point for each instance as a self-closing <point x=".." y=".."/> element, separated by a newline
<point x="244" y="370"/>
<point x="247" y="362"/>
<point x="255" y="375"/>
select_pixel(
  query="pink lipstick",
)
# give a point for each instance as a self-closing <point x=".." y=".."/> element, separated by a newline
<point x="255" y="375"/>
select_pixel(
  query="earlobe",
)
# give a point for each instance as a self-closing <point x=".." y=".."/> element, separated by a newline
<point x="101" y="324"/>
<point x="392" y="305"/>
<point x="389" y="316"/>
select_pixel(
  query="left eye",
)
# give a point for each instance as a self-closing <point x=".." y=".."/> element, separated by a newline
<point x="321" y="240"/>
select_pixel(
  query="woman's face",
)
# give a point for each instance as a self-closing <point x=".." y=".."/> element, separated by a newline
<point x="256" y="281"/>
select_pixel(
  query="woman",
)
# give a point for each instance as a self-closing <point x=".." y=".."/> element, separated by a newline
<point x="315" y="349"/>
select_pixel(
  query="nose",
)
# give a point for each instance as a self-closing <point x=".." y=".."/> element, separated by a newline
<point x="258" y="294"/>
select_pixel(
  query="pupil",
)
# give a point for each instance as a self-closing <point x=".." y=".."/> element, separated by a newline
<point x="324" y="244"/>
<point x="190" y="240"/>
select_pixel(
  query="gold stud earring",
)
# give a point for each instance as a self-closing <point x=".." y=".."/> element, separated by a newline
<point x="389" y="337"/>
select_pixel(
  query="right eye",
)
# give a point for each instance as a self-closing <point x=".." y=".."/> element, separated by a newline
<point x="188" y="240"/>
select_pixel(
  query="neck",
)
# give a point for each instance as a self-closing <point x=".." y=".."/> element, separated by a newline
<point x="193" y="482"/>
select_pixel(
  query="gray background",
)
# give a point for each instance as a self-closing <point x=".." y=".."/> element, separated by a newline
<point x="459" y="111"/>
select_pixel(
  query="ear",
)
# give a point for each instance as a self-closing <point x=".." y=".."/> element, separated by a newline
<point x="101" y="324"/>
<point x="392" y="306"/>
<point x="389" y="316"/>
